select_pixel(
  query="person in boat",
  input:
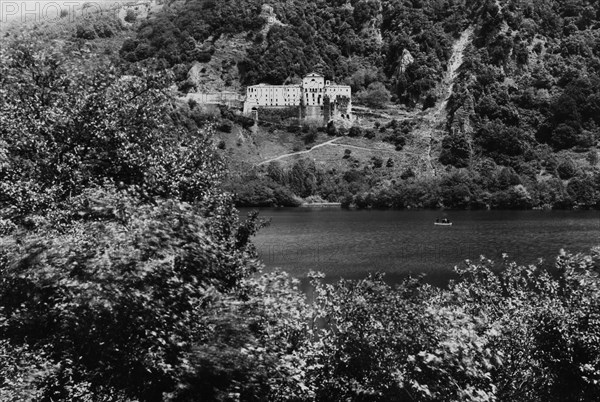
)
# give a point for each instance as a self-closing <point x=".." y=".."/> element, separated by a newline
<point x="445" y="220"/>
<point x="437" y="220"/>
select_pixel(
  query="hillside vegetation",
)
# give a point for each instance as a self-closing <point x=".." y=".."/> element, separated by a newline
<point x="360" y="42"/>
<point x="516" y="126"/>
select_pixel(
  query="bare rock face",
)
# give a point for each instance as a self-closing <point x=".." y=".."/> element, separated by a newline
<point x="196" y="73"/>
<point x="269" y="15"/>
<point x="221" y="72"/>
<point x="371" y="29"/>
<point x="405" y="60"/>
<point x="461" y="121"/>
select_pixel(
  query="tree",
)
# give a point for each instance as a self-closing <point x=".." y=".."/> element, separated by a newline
<point x="592" y="157"/>
<point x="553" y="193"/>
<point x="130" y="16"/>
<point x="508" y="177"/>
<point x="564" y="136"/>
<point x="74" y="128"/>
<point x="86" y="32"/>
<point x="354" y="131"/>
<point x="310" y="136"/>
<point x="515" y="197"/>
<point x="331" y="129"/>
<point x="276" y="172"/>
<point x="566" y="169"/>
<point x="499" y="140"/>
<point x="376" y="95"/>
<point x="377" y="162"/>
<point x="455" y="151"/>
<point x="583" y="191"/>
<point x="303" y="177"/>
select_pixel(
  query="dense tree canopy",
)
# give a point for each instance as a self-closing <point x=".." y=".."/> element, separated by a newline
<point x="65" y="129"/>
<point x="340" y="39"/>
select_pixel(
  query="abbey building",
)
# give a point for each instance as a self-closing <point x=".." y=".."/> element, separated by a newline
<point x="314" y="94"/>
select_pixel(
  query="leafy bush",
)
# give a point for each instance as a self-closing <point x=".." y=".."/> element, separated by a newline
<point x="331" y="129"/>
<point x="85" y="32"/>
<point x="407" y="174"/>
<point x="455" y="151"/>
<point x="354" y="131"/>
<point x="130" y="16"/>
<point x="261" y="192"/>
<point x="566" y="169"/>
<point x="592" y="157"/>
<point x="583" y="191"/>
<point x="370" y="134"/>
<point x="377" y="162"/>
<point x="225" y="127"/>
<point x="464" y="343"/>
<point x="310" y="136"/>
<point x="376" y="95"/>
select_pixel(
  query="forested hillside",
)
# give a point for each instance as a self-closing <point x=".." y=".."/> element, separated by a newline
<point x="529" y="86"/>
<point x="520" y="129"/>
<point x="359" y="42"/>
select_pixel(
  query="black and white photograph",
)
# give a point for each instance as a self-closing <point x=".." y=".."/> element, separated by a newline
<point x="299" y="201"/>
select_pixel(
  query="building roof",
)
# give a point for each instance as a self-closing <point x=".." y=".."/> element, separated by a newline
<point x="309" y="75"/>
<point x="274" y="85"/>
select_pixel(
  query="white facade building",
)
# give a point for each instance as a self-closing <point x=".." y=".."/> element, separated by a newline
<point x="310" y="93"/>
<point x="313" y="89"/>
<point x="273" y="95"/>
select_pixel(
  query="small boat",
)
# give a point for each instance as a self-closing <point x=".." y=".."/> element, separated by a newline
<point x="442" y="223"/>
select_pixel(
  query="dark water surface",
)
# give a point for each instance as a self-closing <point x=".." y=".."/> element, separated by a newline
<point x="350" y="244"/>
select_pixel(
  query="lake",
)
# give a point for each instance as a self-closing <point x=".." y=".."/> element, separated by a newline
<point x="350" y="244"/>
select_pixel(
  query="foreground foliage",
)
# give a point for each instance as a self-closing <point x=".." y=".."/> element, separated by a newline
<point x="117" y="314"/>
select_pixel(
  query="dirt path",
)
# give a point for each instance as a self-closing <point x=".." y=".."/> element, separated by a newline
<point x="299" y="152"/>
<point x="389" y="113"/>
<point x="364" y="148"/>
<point x="331" y="142"/>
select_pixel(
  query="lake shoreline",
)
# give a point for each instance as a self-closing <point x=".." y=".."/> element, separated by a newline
<point x="341" y="205"/>
<point x="353" y="243"/>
